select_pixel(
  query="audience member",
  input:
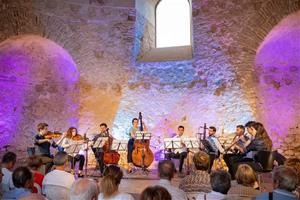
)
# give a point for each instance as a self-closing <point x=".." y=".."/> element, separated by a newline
<point x="34" y="163"/>
<point x="166" y="170"/>
<point x="155" y="193"/>
<point x="220" y="183"/>
<point x="1" y="177"/>
<point x="57" y="183"/>
<point x="285" y="181"/>
<point x="295" y="164"/>
<point x="23" y="182"/>
<point x="8" y="163"/>
<point x="247" y="184"/>
<point x="198" y="181"/>
<point x="84" y="189"/>
<point x="33" y="196"/>
<point x="110" y="185"/>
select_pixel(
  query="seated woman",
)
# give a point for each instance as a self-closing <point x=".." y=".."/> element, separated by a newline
<point x="34" y="163"/>
<point x="246" y="183"/>
<point x="155" y="193"/>
<point x="110" y="185"/>
<point x="72" y="137"/>
<point x="260" y="142"/>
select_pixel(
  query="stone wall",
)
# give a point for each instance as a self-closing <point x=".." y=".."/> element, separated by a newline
<point x="218" y="86"/>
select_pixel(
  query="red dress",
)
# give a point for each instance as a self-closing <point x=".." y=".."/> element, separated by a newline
<point x="38" y="180"/>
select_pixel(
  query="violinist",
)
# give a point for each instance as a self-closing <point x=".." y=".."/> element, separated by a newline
<point x="72" y="137"/>
<point x="42" y="145"/>
<point x="131" y="134"/>
<point x="99" y="150"/>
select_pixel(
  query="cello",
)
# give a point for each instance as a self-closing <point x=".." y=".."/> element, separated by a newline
<point x="142" y="156"/>
<point x="110" y="156"/>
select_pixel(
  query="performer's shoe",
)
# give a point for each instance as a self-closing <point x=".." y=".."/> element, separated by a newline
<point x="80" y="175"/>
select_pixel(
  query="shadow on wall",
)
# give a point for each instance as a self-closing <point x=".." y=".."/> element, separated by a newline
<point x="38" y="81"/>
<point x="278" y="67"/>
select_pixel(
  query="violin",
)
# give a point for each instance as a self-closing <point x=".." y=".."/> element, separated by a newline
<point x="51" y="135"/>
<point x="77" y="137"/>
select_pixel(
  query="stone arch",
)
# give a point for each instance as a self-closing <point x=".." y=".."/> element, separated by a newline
<point x="38" y="80"/>
<point x="277" y="66"/>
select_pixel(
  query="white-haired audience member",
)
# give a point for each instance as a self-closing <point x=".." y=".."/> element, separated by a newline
<point x="23" y="182"/>
<point x="33" y="196"/>
<point x="220" y="183"/>
<point x="57" y="183"/>
<point x="166" y="171"/>
<point x="285" y="181"/>
<point x="84" y="189"/>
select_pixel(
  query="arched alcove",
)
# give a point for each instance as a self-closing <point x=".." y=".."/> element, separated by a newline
<point x="278" y="68"/>
<point x="38" y="81"/>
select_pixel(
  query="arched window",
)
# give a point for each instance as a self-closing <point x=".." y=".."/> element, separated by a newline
<point x="173" y="23"/>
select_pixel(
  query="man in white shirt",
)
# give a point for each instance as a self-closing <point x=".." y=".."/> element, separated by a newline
<point x="8" y="163"/>
<point x="220" y="182"/>
<point x="166" y="170"/>
<point x="58" y="177"/>
<point x="180" y="153"/>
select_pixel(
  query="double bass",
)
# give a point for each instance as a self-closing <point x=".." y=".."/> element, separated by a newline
<point x="110" y="156"/>
<point x="142" y="156"/>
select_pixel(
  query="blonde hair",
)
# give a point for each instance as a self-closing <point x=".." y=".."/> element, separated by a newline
<point x="108" y="186"/>
<point x="245" y="175"/>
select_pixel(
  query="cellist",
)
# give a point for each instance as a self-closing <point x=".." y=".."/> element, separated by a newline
<point x="131" y="134"/>
<point x="98" y="152"/>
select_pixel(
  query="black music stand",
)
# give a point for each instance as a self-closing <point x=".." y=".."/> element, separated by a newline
<point x="73" y="150"/>
<point x="99" y="143"/>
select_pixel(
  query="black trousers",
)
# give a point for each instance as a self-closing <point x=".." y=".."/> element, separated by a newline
<point x="75" y="159"/>
<point x="234" y="160"/>
<point x="130" y="150"/>
<point x="181" y="156"/>
<point x="98" y="152"/>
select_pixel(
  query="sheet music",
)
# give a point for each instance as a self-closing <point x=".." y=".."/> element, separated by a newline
<point x="119" y="145"/>
<point x="74" y="148"/>
<point x="172" y="143"/>
<point x="99" y="143"/>
<point x="191" y="143"/>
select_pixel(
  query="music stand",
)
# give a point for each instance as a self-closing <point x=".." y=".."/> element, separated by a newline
<point x="142" y="135"/>
<point x="99" y="143"/>
<point x="207" y="146"/>
<point x="119" y="145"/>
<point x="190" y="143"/>
<point x="73" y="150"/>
<point x="172" y="143"/>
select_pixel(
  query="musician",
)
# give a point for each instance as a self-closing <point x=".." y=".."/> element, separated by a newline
<point x="238" y="145"/>
<point x="260" y="142"/>
<point x="42" y="146"/>
<point x="180" y="153"/>
<point x="98" y="152"/>
<point x="72" y="137"/>
<point x="131" y="134"/>
<point x="216" y="147"/>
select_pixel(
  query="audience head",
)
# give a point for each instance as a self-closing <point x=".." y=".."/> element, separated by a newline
<point x="201" y="161"/>
<point x="212" y="130"/>
<point x="285" y="178"/>
<point x="42" y="128"/>
<point x="34" y="162"/>
<point x="22" y="178"/>
<point x="1" y="175"/>
<point x="245" y="175"/>
<point x="155" y="193"/>
<point x="33" y="196"/>
<point x="60" y="160"/>
<point x="240" y="130"/>
<point x="295" y="164"/>
<point x="180" y="130"/>
<point x="9" y="160"/>
<point x="220" y="181"/>
<point x="111" y="180"/>
<point x="166" y="169"/>
<point x="84" y="189"/>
